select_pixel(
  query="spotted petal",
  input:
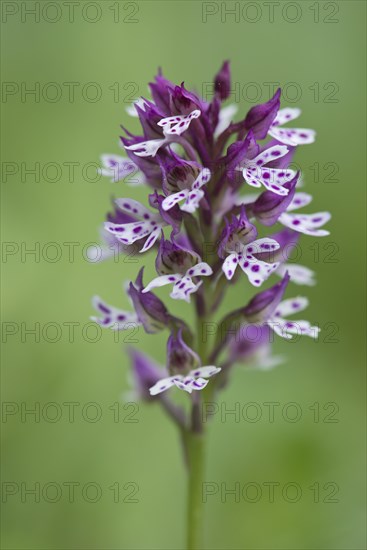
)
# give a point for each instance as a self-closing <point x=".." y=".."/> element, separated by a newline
<point x="262" y="245"/>
<point x="169" y="202"/>
<point x="190" y="383"/>
<point x="299" y="201"/>
<point x="290" y="306"/>
<point x="271" y="178"/>
<point x="192" y="201"/>
<point x="201" y="269"/>
<point x="176" y="125"/>
<point x="286" y="115"/>
<point x="205" y="372"/>
<point x="155" y="234"/>
<point x="273" y="153"/>
<point x="293" y="136"/>
<point x="164" y="384"/>
<point x="183" y="288"/>
<point x="146" y="148"/>
<point x="306" y="223"/>
<point x="229" y="265"/>
<point x="299" y="274"/>
<point x="256" y="270"/>
<point x="134" y="208"/>
<point x="202" y="178"/>
<point x="116" y="167"/>
<point x="112" y="317"/>
<point x="128" y="233"/>
<point x="286" y="329"/>
<point x="162" y="281"/>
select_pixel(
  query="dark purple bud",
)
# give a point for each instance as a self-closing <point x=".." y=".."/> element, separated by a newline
<point x="222" y="81"/>
<point x="174" y="259"/>
<point x="180" y="357"/>
<point x="260" y="117"/>
<point x="145" y="372"/>
<point x="236" y="234"/>
<point x="269" y="206"/>
<point x="161" y="91"/>
<point x="248" y="341"/>
<point x="183" y="101"/>
<point x="240" y="151"/>
<point x="149" y="116"/>
<point x="151" y="311"/>
<point x="263" y="305"/>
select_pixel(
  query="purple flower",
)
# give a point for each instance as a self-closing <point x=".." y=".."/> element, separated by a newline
<point x="263" y="305"/>
<point x="269" y="206"/>
<point x="222" y="82"/>
<point x="238" y="241"/>
<point x="146" y="373"/>
<point x="194" y="380"/>
<point x="197" y="165"/>
<point x="150" y="310"/>
<point x="172" y="126"/>
<point x="149" y="225"/>
<point x="260" y="117"/>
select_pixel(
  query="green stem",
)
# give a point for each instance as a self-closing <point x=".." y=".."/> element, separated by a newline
<point x="195" y="445"/>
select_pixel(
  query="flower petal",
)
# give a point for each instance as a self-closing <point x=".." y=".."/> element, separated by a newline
<point x="265" y="244"/>
<point x="229" y="265"/>
<point x="271" y="154"/>
<point x="256" y="270"/>
<point x="183" y="288"/>
<point x="202" y="178"/>
<point x="146" y="148"/>
<point x="286" y="115"/>
<point x="128" y="233"/>
<point x="162" y="281"/>
<point x="134" y="208"/>
<point x="170" y="201"/>
<point x="299" y="201"/>
<point x="285" y="328"/>
<point x="190" y="383"/>
<point x="293" y="136"/>
<point x="306" y="223"/>
<point x="205" y="372"/>
<point x="112" y="317"/>
<point x="192" y="201"/>
<point x="299" y="274"/>
<point x="271" y="178"/>
<point x="201" y="269"/>
<point x="164" y="384"/>
<point x="155" y="234"/>
<point x="176" y="125"/>
<point x="290" y="306"/>
<point x="116" y="167"/>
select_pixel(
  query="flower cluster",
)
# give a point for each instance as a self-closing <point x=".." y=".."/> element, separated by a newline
<point x="199" y="168"/>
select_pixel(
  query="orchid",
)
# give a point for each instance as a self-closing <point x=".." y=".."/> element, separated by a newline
<point x="201" y="224"/>
<point x="183" y="285"/>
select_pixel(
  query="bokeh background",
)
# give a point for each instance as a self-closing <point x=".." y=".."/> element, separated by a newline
<point x="316" y="51"/>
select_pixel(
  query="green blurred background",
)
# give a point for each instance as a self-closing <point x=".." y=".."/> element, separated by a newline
<point x="323" y="54"/>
